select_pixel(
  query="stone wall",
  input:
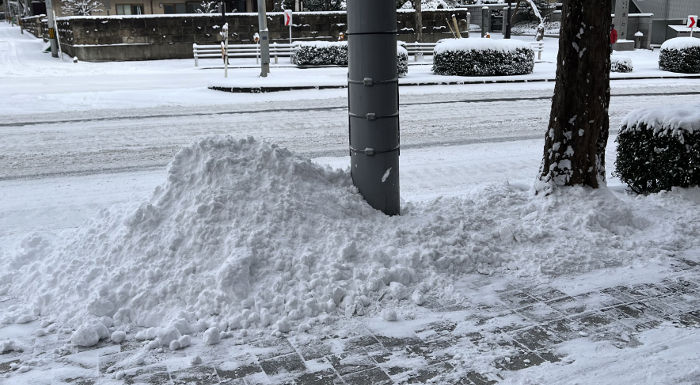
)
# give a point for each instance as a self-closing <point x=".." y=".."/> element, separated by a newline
<point x="37" y="26"/>
<point x="145" y="37"/>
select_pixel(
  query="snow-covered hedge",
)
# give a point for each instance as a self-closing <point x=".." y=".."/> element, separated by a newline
<point x="314" y="53"/>
<point x="621" y="64"/>
<point x="483" y="57"/>
<point x="681" y="54"/>
<point x="402" y="57"/>
<point x="317" y="53"/>
<point x="660" y="148"/>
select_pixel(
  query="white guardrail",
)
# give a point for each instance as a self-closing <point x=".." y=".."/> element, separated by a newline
<point x="278" y="50"/>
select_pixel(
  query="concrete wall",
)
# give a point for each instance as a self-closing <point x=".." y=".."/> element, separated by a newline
<point x="36" y="25"/>
<point x="107" y="38"/>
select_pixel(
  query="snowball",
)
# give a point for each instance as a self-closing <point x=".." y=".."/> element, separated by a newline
<point x="185" y="341"/>
<point x="212" y="336"/>
<point x="196" y="360"/>
<point x="118" y="337"/>
<point x="9" y="346"/>
<point x="167" y="335"/>
<point x="389" y="315"/>
<point x="174" y="345"/>
<point x="85" y="336"/>
<point x="283" y="325"/>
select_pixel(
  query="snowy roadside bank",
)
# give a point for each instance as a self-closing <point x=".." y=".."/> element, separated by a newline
<point x="236" y="218"/>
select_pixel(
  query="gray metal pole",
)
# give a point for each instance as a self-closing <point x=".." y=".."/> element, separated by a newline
<point x="52" y="28"/>
<point x="264" y="40"/>
<point x="373" y="93"/>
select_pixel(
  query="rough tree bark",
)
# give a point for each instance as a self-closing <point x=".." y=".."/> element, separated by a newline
<point x="574" y="150"/>
<point x="419" y="19"/>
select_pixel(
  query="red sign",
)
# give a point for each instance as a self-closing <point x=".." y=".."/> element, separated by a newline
<point x="287" y="17"/>
<point x="692" y="21"/>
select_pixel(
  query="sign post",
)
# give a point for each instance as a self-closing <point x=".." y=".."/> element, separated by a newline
<point x="692" y="23"/>
<point x="288" y="22"/>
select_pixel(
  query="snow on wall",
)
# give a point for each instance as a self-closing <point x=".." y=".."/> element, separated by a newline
<point x="681" y="43"/>
<point x="503" y="45"/>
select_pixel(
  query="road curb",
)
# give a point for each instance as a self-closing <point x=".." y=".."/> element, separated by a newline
<point x="266" y="89"/>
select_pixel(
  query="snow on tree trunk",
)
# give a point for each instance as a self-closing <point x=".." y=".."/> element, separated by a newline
<point x="574" y="151"/>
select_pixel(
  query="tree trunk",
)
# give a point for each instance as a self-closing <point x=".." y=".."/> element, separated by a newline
<point x="419" y="19"/>
<point x="574" y="150"/>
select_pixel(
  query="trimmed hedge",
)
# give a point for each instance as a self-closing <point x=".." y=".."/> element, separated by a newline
<point x="621" y="64"/>
<point x="681" y="54"/>
<point x="655" y="154"/>
<point x="402" y="57"/>
<point x="483" y="57"/>
<point x="319" y="53"/>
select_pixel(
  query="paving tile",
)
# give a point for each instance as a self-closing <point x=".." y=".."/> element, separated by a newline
<point x="422" y="375"/>
<point x="540" y="312"/>
<point x="689" y="319"/>
<point x="566" y="329"/>
<point x="374" y="376"/>
<point x="106" y="362"/>
<point x="198" y="375"/>
<point x="516" y="298"/>
<point x="351" y="362"/>
<point x="272" y="347"/>
<point x="593" y="320"/>
<point x="535" y="338"/>
<point x="289" y="363"/>
<point x="432" y="351"/>
<point x="518" y="361"/>
<point x="79" y="381"/>
<point x="546" y="293"/>
<point x="323" y="377"/>
<point x="394" y="343"/>
<point x="477" y="378"/>
<point x="152" y="375"/>
<point x="313" y="351"/>
<point x="238" y="372"/>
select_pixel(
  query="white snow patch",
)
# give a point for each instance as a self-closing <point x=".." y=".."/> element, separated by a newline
<point x="681" y="43"/>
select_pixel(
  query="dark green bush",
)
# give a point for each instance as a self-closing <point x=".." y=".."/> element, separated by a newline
<point x="681" y="54"/>
<point x="655" y="158"/>
<point x="482" y="60"/>
<point x="319" y="53"/>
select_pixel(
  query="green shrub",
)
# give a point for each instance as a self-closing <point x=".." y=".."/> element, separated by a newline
<point x="483" y="57"/>
<point x="660" y="149"/>
<point x="621" y="64"/>
<point x="681" y="54"/>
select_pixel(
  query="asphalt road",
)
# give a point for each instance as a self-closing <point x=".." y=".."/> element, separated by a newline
<point x="93" y="142"/>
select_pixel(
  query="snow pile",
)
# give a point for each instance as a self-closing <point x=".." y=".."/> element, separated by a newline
<point x="245" y="234"/>
<point x="680" y="43"/>
<point x="499" y="45"/>
<point x="665" y="119"/>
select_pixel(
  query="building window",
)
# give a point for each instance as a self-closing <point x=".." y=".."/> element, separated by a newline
<point x="192" y="6"/>
<point x="174" y="8"/>
<point x="129" y="9"/>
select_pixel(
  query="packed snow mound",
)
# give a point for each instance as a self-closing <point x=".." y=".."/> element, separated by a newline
<point x="665" y="119"/>
<point x="500" y="45"/>
<point x="245" y="234"/>
<point x="680" y="43"/>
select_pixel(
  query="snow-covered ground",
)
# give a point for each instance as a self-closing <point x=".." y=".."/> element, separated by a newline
<point x="98" y="236"/>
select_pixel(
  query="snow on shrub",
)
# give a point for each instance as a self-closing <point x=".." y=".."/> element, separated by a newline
<point x="402" y="57"/>
<point x="660" y="148"/>
<point x="318" y="53"/>
<point x="621" y="64"/>
<point x="315" y="53"/>
<point x="482" y="57"/>
<point x="681" y="54"/>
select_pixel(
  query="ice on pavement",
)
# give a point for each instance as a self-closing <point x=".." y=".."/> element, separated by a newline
<point x="245" y="234"/>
